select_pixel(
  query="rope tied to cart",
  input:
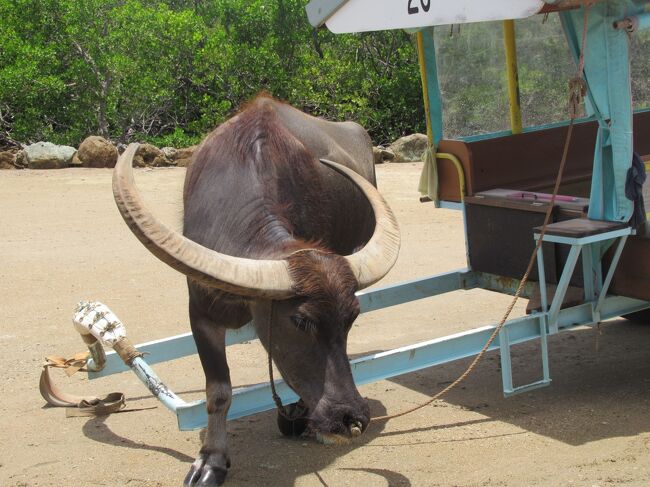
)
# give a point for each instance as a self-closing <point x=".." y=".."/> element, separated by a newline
<point x="577" y="90"/>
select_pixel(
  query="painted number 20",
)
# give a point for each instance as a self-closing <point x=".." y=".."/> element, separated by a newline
<point x="413" y="9"/>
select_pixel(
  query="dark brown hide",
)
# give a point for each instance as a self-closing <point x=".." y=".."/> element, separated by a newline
<point x="328" y="296"/>
<point x="282" y="224"/>
<point x="256" y="189"/>
<point x="266" y="195"/>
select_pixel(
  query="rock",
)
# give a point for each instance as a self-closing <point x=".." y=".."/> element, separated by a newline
<point x="75" y="162"/>
<point x="410" y="148"/>
<point x="184" y="156"/>
<point x="46" y="155"/>
<point x="21" y="160"/>
<point x="8" y="159"/>
<point x="95" y="151"/>
<point x="377" y="156"/>
<point x="387" y="155"/>
<point x="381" y="154"/>
<point x="170" y="153"/>
<point x="183" y="162"/>
<point x="149" y="155"/>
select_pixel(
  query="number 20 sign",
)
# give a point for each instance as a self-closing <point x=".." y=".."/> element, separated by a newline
<point x="367" y="15"/>
<point x="413" y="8"/>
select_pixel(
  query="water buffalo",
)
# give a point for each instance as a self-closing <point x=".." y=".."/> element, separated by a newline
<point x="275" y="233"/>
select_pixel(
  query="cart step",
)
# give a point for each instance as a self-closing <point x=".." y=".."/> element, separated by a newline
<point x="506" y="362"/>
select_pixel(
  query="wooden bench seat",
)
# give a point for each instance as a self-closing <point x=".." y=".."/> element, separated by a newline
<point x="529" y="161"/>
<point x="580" y="227"/>
<point x="500" y="230"/>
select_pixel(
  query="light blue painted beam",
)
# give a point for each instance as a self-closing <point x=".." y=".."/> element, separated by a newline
<point x="183" y="345"/>
<point x="451" y="205"/>
<point x="562" y="286"/>
<point x="610" y="273"/>
<point x="396" y="362"/>
<point x="503" y="284"/>
<point x="169" y="348"/>
<point x="421" y="288"/>
<point x="367" y="369"/>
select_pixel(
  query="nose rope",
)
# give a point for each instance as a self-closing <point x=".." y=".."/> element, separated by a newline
<point x="276" y="398"/>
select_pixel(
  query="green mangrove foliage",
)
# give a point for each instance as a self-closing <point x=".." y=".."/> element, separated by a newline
<point x="168" y="72"/>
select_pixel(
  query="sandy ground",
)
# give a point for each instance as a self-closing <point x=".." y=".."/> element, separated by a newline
<point x="62" y="240"/>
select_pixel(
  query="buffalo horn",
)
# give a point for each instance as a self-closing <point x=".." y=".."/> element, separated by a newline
<point x="246" y="277"/>
<point x="378" y="256"/>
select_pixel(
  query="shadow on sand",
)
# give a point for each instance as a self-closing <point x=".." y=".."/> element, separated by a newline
<point x="261" y="455"/>
<point x="96" y="429"/>
<point x="601" y="374"/>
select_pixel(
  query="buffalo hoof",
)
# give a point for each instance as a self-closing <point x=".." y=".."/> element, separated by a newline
<point x="294" y="420"/>
<point x="203" y="474"/>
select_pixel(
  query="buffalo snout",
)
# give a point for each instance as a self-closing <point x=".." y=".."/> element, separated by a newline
<point x="338" y="422"/>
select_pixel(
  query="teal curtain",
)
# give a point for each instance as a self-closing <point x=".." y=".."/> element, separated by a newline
<point x="609" y="100"/>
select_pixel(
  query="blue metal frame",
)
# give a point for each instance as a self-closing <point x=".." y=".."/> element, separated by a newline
<point x="594" y="288"/>
<point x="506" y="363"/>
<point x="254" y="399"/>
<point x="593" y="284"/>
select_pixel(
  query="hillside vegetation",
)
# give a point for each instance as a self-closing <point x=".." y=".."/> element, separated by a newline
<point x="168" y="72"/>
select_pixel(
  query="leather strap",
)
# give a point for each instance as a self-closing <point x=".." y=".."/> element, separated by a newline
<point x="78" y="405"/>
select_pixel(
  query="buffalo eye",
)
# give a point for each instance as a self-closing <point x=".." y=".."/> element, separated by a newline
<point x="303" y="323"/>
